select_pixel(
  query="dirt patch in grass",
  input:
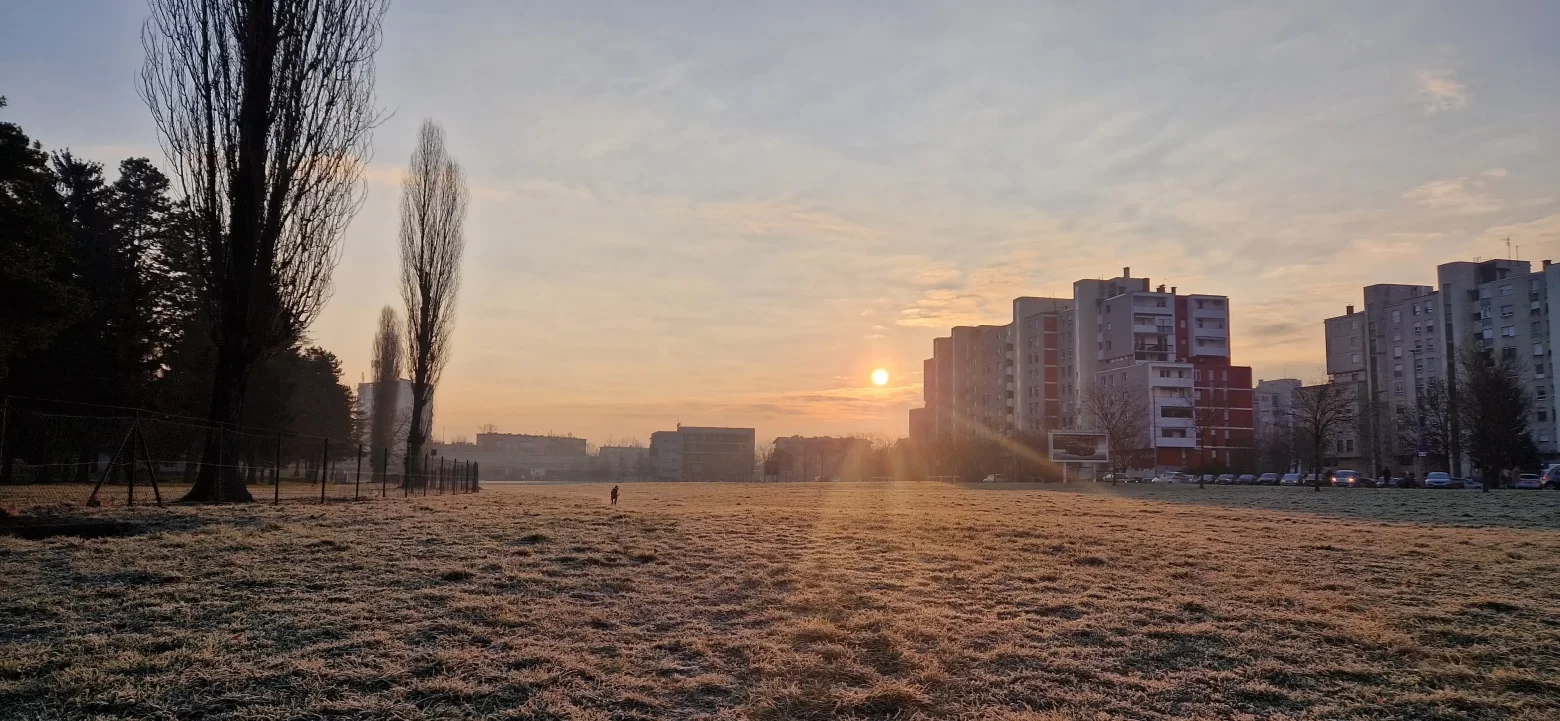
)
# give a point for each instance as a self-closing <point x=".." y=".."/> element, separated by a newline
<point x="793" y="602"/>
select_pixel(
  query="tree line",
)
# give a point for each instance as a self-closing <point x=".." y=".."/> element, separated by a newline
<point x="194" y="293"/>
<point x="100" y="293"/>
<point x="1481" y="413"/>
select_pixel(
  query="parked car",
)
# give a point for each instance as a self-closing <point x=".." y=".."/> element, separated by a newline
<point x="1471" y="484"/>
<point x="1438" y="479"/>
<point x="1289" y="479"/>
<point x="1346" y="479"/>
<point x="1551" y="476"/>
<point x="1245" y="479"/>
<point x="1225" y="479"/>
<point x="1267" y="479"/>
<point x="1529" y="482"/>
<point x="1165" y="478"/>
<point x="1310" y="479"/>
<point x="993" y="478"/>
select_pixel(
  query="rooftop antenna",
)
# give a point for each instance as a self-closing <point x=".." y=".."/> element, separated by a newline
<point x="1508" y="247"/>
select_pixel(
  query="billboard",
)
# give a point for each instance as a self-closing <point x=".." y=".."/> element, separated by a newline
<point x="1079" y="447"/>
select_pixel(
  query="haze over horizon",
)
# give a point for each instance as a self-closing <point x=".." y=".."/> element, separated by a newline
<point x="731" y="215"/>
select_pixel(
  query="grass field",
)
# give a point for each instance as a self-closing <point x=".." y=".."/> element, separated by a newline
<point x="800" y="601"/>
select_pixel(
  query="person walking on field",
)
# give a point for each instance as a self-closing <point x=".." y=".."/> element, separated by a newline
<point x="614" y="495"/>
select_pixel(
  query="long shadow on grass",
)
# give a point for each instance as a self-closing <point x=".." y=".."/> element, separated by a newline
<point x="1532" y="510"/>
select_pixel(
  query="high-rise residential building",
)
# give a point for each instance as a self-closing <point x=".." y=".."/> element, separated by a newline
<point x="403" y="404"/>
<point x="1032" y="375"/>
<point x="1502" y="307"/>
<point x="695" y="453"/>
<point x="1273" y="409"/>
<point x="1408" y="336"/>
<point x="1037" y="350"/>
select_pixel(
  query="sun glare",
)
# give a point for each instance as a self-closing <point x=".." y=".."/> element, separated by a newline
<point x="880" y="377"/>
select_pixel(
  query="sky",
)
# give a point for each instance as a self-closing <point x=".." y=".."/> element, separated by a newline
<point x="721" y="213"/>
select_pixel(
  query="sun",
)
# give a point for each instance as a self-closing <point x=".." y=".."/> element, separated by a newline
<point x="880" y="377"/>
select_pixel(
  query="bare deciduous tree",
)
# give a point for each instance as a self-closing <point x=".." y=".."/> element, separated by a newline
<point x="1427" y="427"/>
<point x="387" y="386"/>
<point x="1121" y="412"/>
<point x="265" y="110"/>
<point x="1322" y="412"/>
<point x="433" y="211"/>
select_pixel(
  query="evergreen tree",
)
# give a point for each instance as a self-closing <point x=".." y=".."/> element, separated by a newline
<point x="37" y="298"/>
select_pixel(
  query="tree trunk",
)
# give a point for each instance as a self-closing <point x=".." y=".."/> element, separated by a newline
<point x="416" y="435"/>
<point x="219" y="480"/>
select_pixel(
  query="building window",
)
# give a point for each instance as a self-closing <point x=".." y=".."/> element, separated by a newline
<point x="1416" y="309"/>
<point x="1354" y="358"/>
<point x="1397" y="351"/>
<point x="1538" y="349"/>
<point x="1354" y="342"/>
<point x="1505" y="290"/>
<point x="1507" y="311"/>
<point x="1354" y="325"/>
<point x="1172" y="432"/>
<point x="1397" y="316"/>
<point x="1509" y="331"/>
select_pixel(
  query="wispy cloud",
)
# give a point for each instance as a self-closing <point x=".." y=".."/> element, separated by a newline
<point x="1460" y="196"/>
<point x="1440" y="91"/>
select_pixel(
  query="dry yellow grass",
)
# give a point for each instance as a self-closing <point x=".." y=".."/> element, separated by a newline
<point x="800" y="601"/>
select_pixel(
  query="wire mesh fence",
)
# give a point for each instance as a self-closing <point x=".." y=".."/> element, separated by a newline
<point x="54" y="452"/>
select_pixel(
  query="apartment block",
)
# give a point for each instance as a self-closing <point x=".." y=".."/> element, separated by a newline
<point x="1273" y="409"/>
<point x="703" y="453"/>
<point x="1031" y="375"/>
<point x="1038" y="378"/>
<point x="1407" y="336"/>
<point x="1501" y="307"/>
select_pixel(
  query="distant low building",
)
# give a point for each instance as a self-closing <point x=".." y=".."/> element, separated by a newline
<point x="623" y="462"/>
<point x="519" y="456"/>
<point x="701" y="453"/>
<point x="799" y="458"/>
<point x="531" y="445"/>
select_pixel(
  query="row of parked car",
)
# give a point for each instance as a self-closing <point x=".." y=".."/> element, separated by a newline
<point x="1550" y="479"/>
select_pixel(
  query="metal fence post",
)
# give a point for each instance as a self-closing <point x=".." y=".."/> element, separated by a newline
<point x="359" y="483"/>
<point x="324" y="466"/>
<point x="130" y="477"/>
<point x="441" y="475"/>
<point x="424" y="473"/>
<point x="384" y="472"/>
<point x="5" y="425"/>
<point x="476" y="477"/>
<point x="276" y="473"/>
